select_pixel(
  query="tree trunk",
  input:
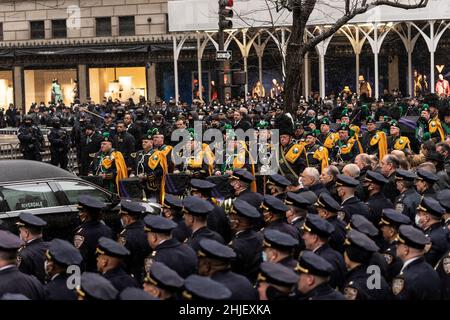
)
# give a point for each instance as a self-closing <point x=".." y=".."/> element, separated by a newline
<point x="294" y="63"/>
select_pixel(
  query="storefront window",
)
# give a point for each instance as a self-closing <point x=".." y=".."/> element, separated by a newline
<point x="50" y="86"/>
<point x="6" y="89"/>
<point x="117" y="83"/>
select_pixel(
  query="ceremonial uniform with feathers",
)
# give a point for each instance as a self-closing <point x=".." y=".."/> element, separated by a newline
<point x="289" y="158"/>
<point x="111" y="164"/>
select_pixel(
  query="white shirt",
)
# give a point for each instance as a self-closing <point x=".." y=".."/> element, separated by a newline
<point x="9" y="266"/>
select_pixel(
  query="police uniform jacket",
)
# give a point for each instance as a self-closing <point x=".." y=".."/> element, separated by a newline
<point x="337" y="261"/>
<point x="377" y="203"/>
<point x="57" y="289"/>
<point x="417" y="281"/>
<point x="240" y="286"/>
<point x="218" y="221"/>
<point x="248" y="245"/>
<point x="31" y="258"/>
<point x="177" y="256"/>
<point x="135" y="240"/>
<point x="353" y="206"/>
<point x="86" y="240"/>
<point x="439" y="243"/>
<point x="337" y="238"/>
<point x="443" y="270"/>
<point x="407" y="203"/>
<point x="390" y="189"/>
<point x="120" y="279"/>
<point x="394" y="263"/>
<point x="323" y="292"/>
<point x="282" y="226"/>
<point x="14" y="281"/>
<point x="355" y="285"/>
<point x="202" y="233"/>
<point x="288" y="262"/>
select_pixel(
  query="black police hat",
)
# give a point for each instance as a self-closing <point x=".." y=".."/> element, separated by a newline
<point x="412" y="237"/>
<point x="164" y="277"/>
<point x="363" y="225"/>
<point x="135" y="294"/>
<point x="201" y="185"/>
<point x="401" y="174"/>
<point x="9" y="241"/>
<point x="212" y="249"/>
<point x="244" y="209"/>
<point x="390" y="217"/>
<point x="346" y="181"/>
<point x="30" y="220"/>
<point x="360" y="240"/>
<point x="111" y="248"/>
<point x="277" y="274"/>
<point x="198" y="287"/>
<point x="443" y="197"/>
<point x="427" y="176"/>
<point x="317" y="225"/>
<point x="63" y="253"/>
<point x="279" y="240"/>
<point x="431" y="206"/>
<point x="308" y="195"/>
<point x="375" y="177"/>
<point x="274" y="205"/>
<point x="196" y="206"/>
<point x="243" y="175"/>
<point x="311" y="263"/>
<point x="131" y="208"/>
<point x="296" y="200"/>
<point x="14" y="297"/>
<point x="278" y="180"/>
<point x="327" y="202"/>
<point x="90" y="203"/>
<point x="93" y="285"/>
<point x="158" y="224"/>
<point x="172" y="202"/>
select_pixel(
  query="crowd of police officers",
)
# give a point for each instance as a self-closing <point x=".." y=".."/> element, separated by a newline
<point x="355" y="209"/>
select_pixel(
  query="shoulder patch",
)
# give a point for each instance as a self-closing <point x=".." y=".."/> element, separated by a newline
<point x="389" y="258"/>
<point x="92" y="155"/>
<point x="122" y="240"/>
<point x="78" y="241"/>
<point x="397" y="285"/>
<point x="446" y="264"/>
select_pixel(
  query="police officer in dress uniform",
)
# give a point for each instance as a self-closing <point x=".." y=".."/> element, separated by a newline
<point x="408" y="200"/>
<point x="90" y="230"/>
<point x="217" y="220"/>
<point x="417" y="280"/>
<point x="279" y="248"/>
<point x="277" y="185"/>
<point x="214" y="261"/>
<point x="240" y="180"/>
<point x="110" y="256"/>
<point x="94" y="287"/>
<point x="31" y="257"/>
<point x="177" y="256"/>
<point x="328" y="209"/>
<point x="298" y="207"/>
<point x="358" y="252"/>
<point x="274" y="213"/>
<point x="314" y="273"/>
<point x="275" y="281"/>
<point x="172" y="207"/>
<point x="346" y="188"/>
<point x="196" y="211"/>
<point x="443" y="270"/>
<point x="247" y="243"/>
<point x="60" y="142"/>
<point x="428" y="218"/>
<point x="11" y="279"/>
<point x="425" y="183"/>
<point x="204" y="288"/>
<point x="162" y="283"/>
<point x="373" y="185"/>
<point x="390" y="221"/>
<point x="133" y="237"/>
<point x="316" y="232"/>
<point x="58" y="257"/>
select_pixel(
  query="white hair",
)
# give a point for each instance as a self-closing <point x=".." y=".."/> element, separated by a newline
<point x="312" y="173"/>
<point x="352" y="169"/>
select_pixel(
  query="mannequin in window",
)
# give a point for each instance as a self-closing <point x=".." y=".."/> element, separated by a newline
<point x="56" y="91"/>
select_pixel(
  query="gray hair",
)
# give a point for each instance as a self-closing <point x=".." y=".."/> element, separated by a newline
<point x="352" y="169"/>
<point x="312" y="173"/>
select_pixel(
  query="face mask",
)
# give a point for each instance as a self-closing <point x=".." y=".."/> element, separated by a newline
<point x="417" y="220"/>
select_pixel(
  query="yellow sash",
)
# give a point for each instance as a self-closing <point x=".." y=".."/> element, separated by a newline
<point x="321" y="154"/>
<point x="331" y="140"/>
<point x="436" y="125"/>
<point x="380" y="138"/>
<point x="401" y="143"/>
<point x="122" y="171"/>
<point x="295" y="151"/>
